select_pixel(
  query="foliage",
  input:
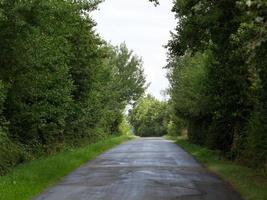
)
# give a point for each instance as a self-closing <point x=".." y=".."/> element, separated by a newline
<point x="29" y="179"/>
<point x="10" y="153"/>
<point x="156" y="2"/>
<point x="176" y="126"/>
<point x="149" y="117"/>
<point x="125" y="127"/>
<point x="252" y="39"/>
<point x="188" y="85"/>
<point x="217" y="64"/>
<point x="64" y="85"/>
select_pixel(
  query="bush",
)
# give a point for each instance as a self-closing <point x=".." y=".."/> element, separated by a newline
<point x="256" y="143"/>
<point x="10" y="153"/>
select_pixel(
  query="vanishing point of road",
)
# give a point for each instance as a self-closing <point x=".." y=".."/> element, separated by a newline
<point x="142" y="169"/>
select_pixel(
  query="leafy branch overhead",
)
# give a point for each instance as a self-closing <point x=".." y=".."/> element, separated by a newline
<point x="156" y="2"/>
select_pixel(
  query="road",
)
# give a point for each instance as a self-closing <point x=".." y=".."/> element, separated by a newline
<point x="142" y="169"/>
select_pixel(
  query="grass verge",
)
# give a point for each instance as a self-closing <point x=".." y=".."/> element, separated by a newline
<point x="29" y="179"/>
<point x="251" y="184"/>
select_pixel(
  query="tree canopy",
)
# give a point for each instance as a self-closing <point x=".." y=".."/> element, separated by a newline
<point x="217" y="64"/>
<point x="60" y="83"/>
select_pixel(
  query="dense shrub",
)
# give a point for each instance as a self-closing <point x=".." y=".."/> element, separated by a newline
<point x="10" y="153"/>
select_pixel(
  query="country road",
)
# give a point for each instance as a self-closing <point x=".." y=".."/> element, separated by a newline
<point x="141" y="169"/>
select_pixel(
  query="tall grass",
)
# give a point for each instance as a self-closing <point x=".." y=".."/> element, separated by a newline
<point x="250" y="183"/>
<point x="29" y="179"/>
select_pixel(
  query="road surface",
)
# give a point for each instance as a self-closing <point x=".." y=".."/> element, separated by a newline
<point x="142" y="169"/>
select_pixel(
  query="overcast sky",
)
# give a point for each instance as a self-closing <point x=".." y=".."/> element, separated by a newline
<point x="144" y="28"/>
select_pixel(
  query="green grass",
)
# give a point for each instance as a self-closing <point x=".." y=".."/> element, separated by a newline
<point x="250" y="183"/>
<point x="29" y="179"/>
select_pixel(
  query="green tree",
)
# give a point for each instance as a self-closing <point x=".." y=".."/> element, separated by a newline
<point x="251" y="38"/>
<point x="234" y="32"/>
<point x="34" y="66"/>
<point x="209" y="25"/>
<point x="63" y="84"/>
<point x="10" y="153"/>
<point x="188" y="91"/>
<point x="149" y="117"/>
<point x="125" y="86"/>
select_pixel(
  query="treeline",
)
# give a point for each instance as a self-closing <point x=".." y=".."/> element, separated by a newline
<point x="218" y="75"/>
<point x="60" y="83"/>
<point x="149" y="117"/>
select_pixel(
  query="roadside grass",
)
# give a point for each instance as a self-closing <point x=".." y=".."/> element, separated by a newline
<point x="250" y="183"/>
<point x="29" y="179"/>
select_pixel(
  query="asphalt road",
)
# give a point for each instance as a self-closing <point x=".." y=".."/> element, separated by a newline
<point x="142" y="169"/>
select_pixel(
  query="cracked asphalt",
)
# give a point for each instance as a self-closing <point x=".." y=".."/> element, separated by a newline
<point x="142" y="169"/>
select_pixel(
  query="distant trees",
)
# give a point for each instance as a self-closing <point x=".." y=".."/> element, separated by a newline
<point x="149" y="117"/>
<point x="60" y="83"/>
<point x="217" y="64"/>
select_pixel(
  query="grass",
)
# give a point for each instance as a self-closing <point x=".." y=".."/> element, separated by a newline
<point x="250" y="183"/>
<point x="29" y="179"/>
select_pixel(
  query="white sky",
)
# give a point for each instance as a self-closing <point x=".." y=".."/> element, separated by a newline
<point x="144" y="28"/>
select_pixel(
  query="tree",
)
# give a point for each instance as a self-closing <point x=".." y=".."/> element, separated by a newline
<point x="149" y="117"/>
<point x="125" y="86"/>
<point x="233" y="32"/>
<point x="61" y="84"/>
<point x="35" y="69"/>
<point x="251" y="38"/>
<point x="188" y="91"/>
